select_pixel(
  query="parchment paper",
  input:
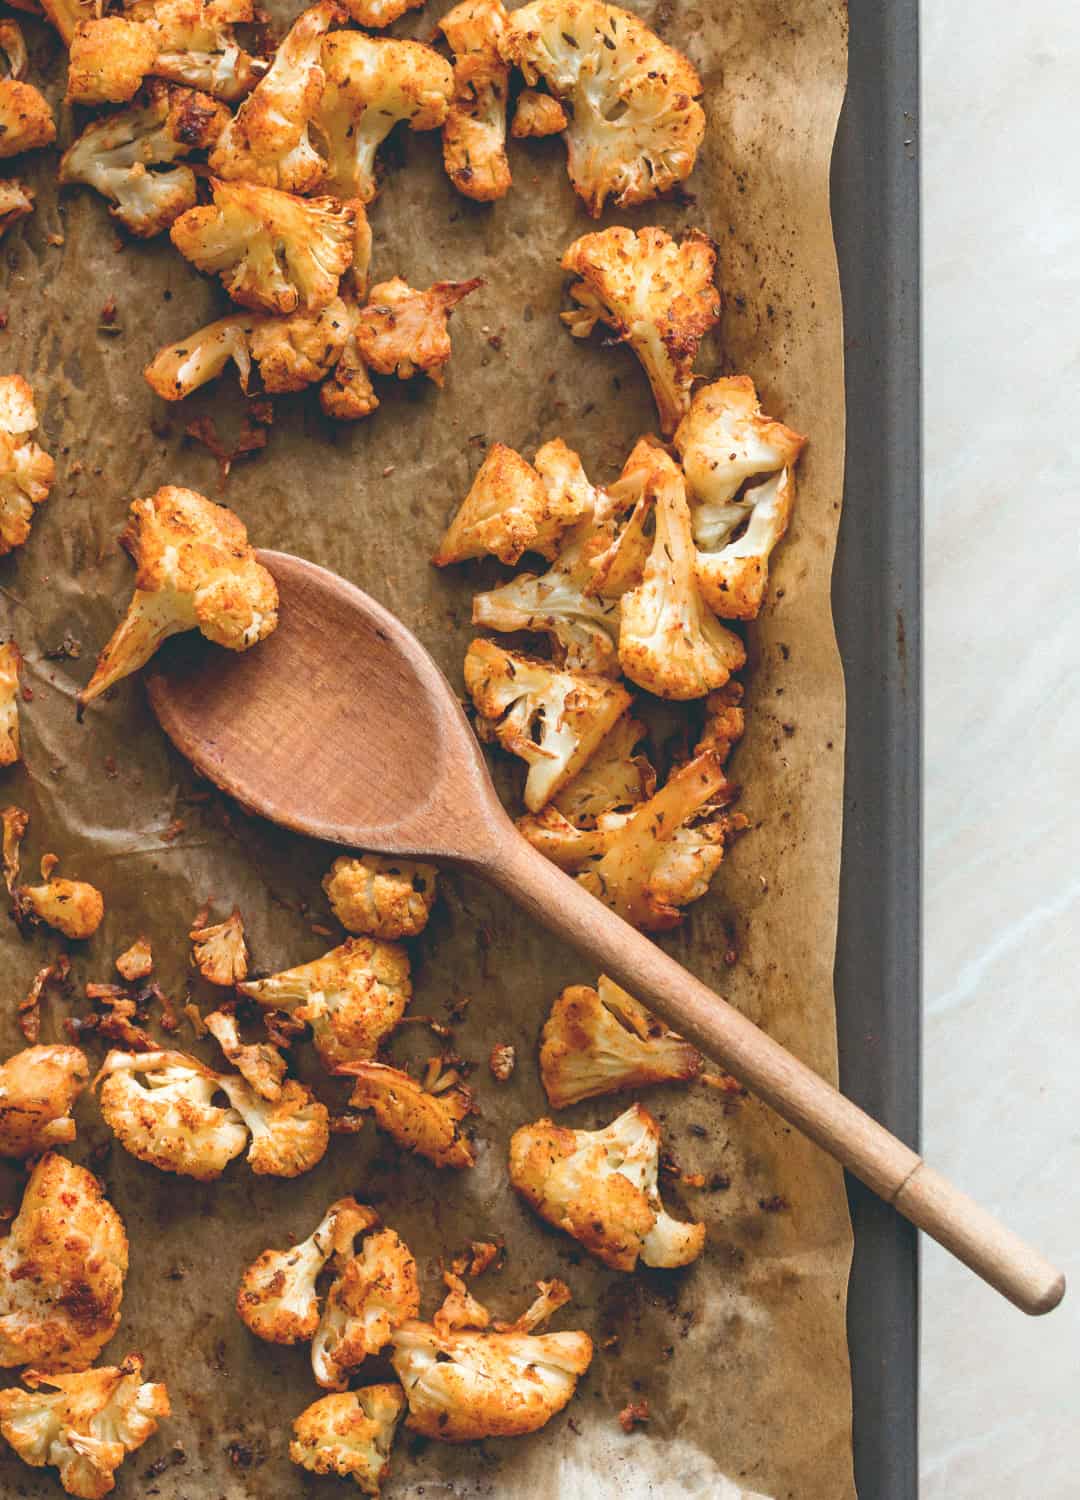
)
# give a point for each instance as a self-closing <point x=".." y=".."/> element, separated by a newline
<point x="742" y="1359"/>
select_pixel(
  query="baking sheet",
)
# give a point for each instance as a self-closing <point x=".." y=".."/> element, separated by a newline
<point x="742" y="1359"/>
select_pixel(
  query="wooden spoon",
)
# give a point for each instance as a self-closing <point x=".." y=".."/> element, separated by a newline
<point x="341" y="726"/>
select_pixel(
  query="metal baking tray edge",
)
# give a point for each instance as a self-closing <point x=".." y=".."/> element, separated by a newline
<point x="876" y="602"/>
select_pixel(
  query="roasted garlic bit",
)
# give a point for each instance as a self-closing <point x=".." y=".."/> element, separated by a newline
<point x="424" y="1118"/>
<point x="601" y="1187"/>
<point x="259" y="1063"/>
<point x="655" y="295"/>
<point x="552" y="719"/>
<point x="278" y="1300"/>
<point x="375" y="1291"/>
<point x="136" y="962"/>
<point x="599" y="1041"/>
<point x="352" y="997"/>
<point x="26" y="471"/>
<point x="38" y="1088"/>
<point x="195" y="570"/>
<point x="84" y="1425"/>
<point x="16" y="202"/>
<point x="122" y="155"/>
<point x="464" y="1383"/>
<point x="166" y="1117"/>
<point x="404" y="332"/>
<point x="726" y="442"/>
<point x="62" y="1270"/>
<point x="379" y="896"/>
<point x="10" y="667"/>
<point x="268" y="140"/>
<point x="636" y="125"/>
<point x="220" y="952"/>
<point x="73" y="907"/>
<point x="350" y="1434"/>
<point x="474" y="135"/>
<point x="514" y="507"/>
<point x="537" y="115"/>
<point x="273" y="251"/>
<point x="372" y="84"/>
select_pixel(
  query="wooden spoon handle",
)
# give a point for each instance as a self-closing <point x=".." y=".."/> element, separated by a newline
<point x="796" y="1092"/>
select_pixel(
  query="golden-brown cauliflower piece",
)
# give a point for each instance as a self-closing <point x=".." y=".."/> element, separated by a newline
<point x="84" y="1424"/>
<point x="220" y="951"/>
<point x="379" y="13"/>
<point x="121" y="155"/>
<point x="636" y="124"/>
<point x="474" y="135"/>
<point x="425" y="1122"/>
<point x="108" y="59"/>
<point x="373" y="83"/>
<point x="350" y="1434"/>
<point x="136" y="962"/>
<point x="268" y="141"/>
<point x="725" y="721"/>
<point x="537" y="115"/>
<point x="670" y="643"/>
<point x="277" y="1299"/>
<point x="616" y="777"/>
<point x="38" y="1087"/>
<point x="724" y="441"/>
<point x="348" y="394"/>
<point x="167" y="1119"/>
<point x="513" y="508"/>
<point x="259" y="1063"/>
<point x="272" y="250"/>
<point x="375" y="1292"/>
<point x="62" y="1270"/>
<point x="10" y="667"/>
<point x="404" y="332"/>
<point x="552" y="719"/>
<point x="26" y="471"/>
<point x="290" y="353"/>
<point x="197" y="45"/>
<point x="650" y="861"/>
<point x="26" y="120"/>
<point x="599" y="1041"/>
<point x="73" y="907"/>
<point x="655" y="295"/>
<point x="352" y="997"/>
<point x="289" y="1135"/>
<point x="465" y="1383"/>
<point x="600" y="1187"/>
<point x="195" y="570"/>
<point x="16" y="202"/>
<point x="381" y="897"/>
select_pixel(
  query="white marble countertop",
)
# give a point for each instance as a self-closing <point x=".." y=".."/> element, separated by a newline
<point x="1000" y="1410"/>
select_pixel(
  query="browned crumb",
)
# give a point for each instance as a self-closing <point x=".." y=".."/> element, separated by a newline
<point x="58" y="972"/>
<point x="15" y="821"/>
<point x="633" y="1415"/>
<point x="501" y="1061"/>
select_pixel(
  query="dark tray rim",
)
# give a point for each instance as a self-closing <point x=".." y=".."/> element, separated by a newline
<point x="877" y="606"/>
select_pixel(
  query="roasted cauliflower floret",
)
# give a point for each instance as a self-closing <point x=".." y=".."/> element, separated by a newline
<point x="725" y="721"/>
<point x="600" y="1041"/>
<point x="466" y="1383"/>
<point x="372" y="84"/>
<point x="122" y="156"/>
<point x="379" y="13"/>
<point x="268" y="141"/>
<point x="537" y="115"/>
<point x="272" y="250"/>
<point x="425" y="1122"/>
<point x="381" y="897"/>
<point x="167" y="1118"/>
<point x="197" y="45"/>
<point x="474" y="135"/>
<point x="259" y="1063"/>
<point x="73" y="907"/>
<point x="136" y="962"/>
<point x="85" y="1424"/>
<point x="108" y="59"/>
<point x="348" y="394"/>
<point x="38" y="1087"/>
<point x="277" y="1299"/>
<point x="26" y="471"/>
<point x="62" y="1270"/>
<point x="10" y="667"/>
<point x="636" y="124"/>
<point x="513" y="508"/>
<point x="220" y="951"/>
<point x="404" y="332"/>
<point x="289" y="1135"/>
<point x="290" y="353"/>
<point x="195" y="570"/>
<point x="552" y="719"/>
<point x="617" y="776"/>
<point x="16" y="202"/>
<point x="669" y="640"/>
<point x="352" y="997"/>
<point x="600" y="1187"/>
<point x="655" y="295"/>
<point x="350" y="1434"/>
<point x="374" y="1293"/>
<point x="26" y="120"/>
<point x="726" y="441"/>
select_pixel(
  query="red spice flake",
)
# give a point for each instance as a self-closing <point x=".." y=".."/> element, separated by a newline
<point x="108" y="311"/>
<point x="3" y="320"/>
<point x="633" y="1414"/>
<point x="28" y="694"/>
<point x="111" y="770"/>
